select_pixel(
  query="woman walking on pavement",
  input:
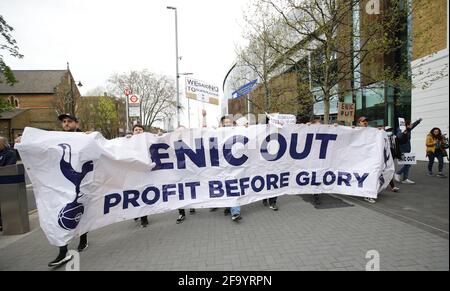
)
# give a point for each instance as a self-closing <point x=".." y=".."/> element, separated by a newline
<point x="436" y="149"/>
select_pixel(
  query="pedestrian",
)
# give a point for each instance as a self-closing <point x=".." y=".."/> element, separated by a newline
<point x="7" y="158"/>
<point x="395" y="152"/>
<point x="226" y="121"/>
<point x="7" y="155"/>
<point x="182" y="212"/>
<point x="404" y="137"/>
<point x="364" y="122"/>
<point x="436" y="149"/>
<point x="139" y="129"/>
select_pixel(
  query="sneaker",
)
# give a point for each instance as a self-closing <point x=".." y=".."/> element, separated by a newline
<point x="370" y="200"/>
<point x="409" y="182"/>
<point x="274" y="207"/>
<point x="60" y="260"/>
<point x="180" y="219"/>
<point x="395" y="189"/>
<point x="430" y="174"/>
<point x="226" y="211"/>
<point x="82" y="246"/>
<point x="192" y="210"/>
<point x="397" y="178"/>
<point x="265" y="202"/>
<point x="236" y="217"/>
<point x="440" y="175"/>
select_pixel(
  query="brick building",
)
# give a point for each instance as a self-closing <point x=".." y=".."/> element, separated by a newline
<point x="38" y="97"/>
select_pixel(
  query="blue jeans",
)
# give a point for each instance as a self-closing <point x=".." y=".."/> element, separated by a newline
<point x="235" y="210"/>
<point x="404" y="171"/>
<point x="440" y="157"/>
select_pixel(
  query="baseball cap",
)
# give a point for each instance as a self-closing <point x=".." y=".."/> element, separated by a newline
<point x="362" y="118"/>
<point x="66" y="115"/>
<point x="388" y="128"/>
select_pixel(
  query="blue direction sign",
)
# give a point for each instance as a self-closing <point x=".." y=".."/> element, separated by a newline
<point x="244" y="90"/>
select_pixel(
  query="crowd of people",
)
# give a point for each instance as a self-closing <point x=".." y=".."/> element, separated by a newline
<point x="400" y="141"/>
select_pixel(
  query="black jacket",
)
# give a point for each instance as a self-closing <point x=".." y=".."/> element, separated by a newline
<point x="7" y="157"/>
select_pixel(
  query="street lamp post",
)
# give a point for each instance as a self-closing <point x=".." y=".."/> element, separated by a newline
<point x="177" y="58"/>
<point x="189" y="104"/>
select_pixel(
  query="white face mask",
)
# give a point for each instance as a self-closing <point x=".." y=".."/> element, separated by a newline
<point x="390" y="133"/>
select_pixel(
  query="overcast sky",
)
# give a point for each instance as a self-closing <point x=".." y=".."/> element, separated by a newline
<point x="101" y="37"/>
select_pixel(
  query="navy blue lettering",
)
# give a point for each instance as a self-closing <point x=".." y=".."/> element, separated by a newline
<point x="181" y="191"/>
<point x="272" y="181"/>
<point x="127" y="199"/>
<point x="155" y="192"/>
<point x="306" y="151"/>
<point x="182" y="150"/>
<point x="216" y="189"/>
<point x="157" y="156"/>
<point x="300" y="181"/>
<point x="227" y="150"/>
<point x="284" y="179"/>
<point x="193" y="187"/>
<point x="232" y="188"/>
<point x="254" y="186"/>
<point x="281" y="151"/>
<point x="111" y="201"/>
<point x="244" y="184"/>
<point x="167" y="191"/>
<point x="325" y="138"/>
<point x="313" y="180"/>
<point x="214" y="152"/>
<point x="325" y="178"/>
<point x="344" y="177"/>
<point x="361" y="179"/>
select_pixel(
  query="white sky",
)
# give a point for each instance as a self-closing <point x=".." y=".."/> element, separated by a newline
<point x="100" y="37"/>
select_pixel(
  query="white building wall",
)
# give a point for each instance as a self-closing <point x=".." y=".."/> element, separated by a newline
<point x="432" y="103"/>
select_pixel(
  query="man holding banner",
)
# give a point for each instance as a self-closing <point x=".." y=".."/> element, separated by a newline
<point x="120" y="179"/>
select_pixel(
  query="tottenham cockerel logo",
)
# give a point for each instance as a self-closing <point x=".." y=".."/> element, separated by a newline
<point x="70" y="215"/>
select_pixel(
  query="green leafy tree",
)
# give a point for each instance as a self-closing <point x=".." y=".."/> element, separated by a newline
<point x="8" y="44"/>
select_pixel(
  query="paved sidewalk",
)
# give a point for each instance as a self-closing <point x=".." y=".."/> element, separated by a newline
<point x="297" y="237"/>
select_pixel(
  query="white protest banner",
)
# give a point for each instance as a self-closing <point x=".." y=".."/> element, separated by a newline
<point x="408" y="159"/>
<point x="280" y="120"/>
<point x="83" y="182"/>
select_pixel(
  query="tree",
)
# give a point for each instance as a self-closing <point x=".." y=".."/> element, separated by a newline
<point x="258" y="56"/>
<point x="158" y="93"/>
<point x="284" y="89"/>
<point x="341" y="45"/>
<point x="4" y="105"/>
<point x="9" y="44"/>
<point x="100" y="114"/>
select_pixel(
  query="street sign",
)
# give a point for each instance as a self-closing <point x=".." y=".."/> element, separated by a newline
<point x="135" y="111"/>
<point x="346" y="112"/>
<point x="244" y="90"/>
<point x="127" y="92"/>
<point x="134" y="100"/>
<point x="202" y="91"/>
